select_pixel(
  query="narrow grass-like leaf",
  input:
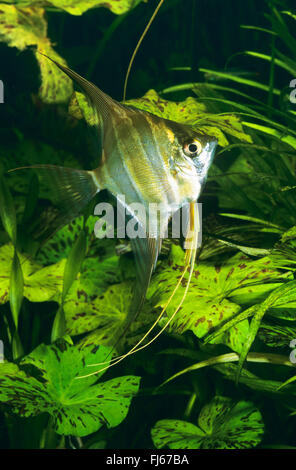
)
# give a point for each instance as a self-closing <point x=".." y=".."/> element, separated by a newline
<point x="242" y="81"/>
<point x="229" y="324"/>
<point x="16" y="288"/>
<point x="7" y="211"/>
<point x="258" y="28"/>
<point x="72" y="268"/>
<point x="254" y="219"/>
<point x="281" y="295"/>
<point x="17" y="348"/>
<point x="265" y="358"/>
<point x="280" y="63"/>
<point x="74" y="262"/>
<point x="254" y="327"/>
<point x="288" y="139"/>
<point x="59" y="325"/>
<point x="287" y="382"/>
<point x="31" y="199"/>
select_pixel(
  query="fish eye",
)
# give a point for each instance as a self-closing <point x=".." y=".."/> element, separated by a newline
<point x="192" y="149"/>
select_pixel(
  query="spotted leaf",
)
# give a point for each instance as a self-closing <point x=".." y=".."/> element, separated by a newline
<point x="222" y="424"/>
<point x="194" y="113"/>
<point x="23" y="27"/>
<point x="215" y="295"/>
<point x="47" y="381"/>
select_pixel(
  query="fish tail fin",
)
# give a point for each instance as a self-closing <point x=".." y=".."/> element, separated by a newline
<point x="72" y="189"/>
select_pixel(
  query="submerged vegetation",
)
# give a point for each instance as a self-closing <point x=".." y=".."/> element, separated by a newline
<point x="222" y="374"/>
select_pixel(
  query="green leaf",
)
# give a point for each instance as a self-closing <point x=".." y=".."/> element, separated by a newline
<point x="16" y="288"/>
<point x="289" y="13"/>
<point x="289" y="234"/>
<point x="249" y="379"/>
<point x="241" y="80"/>
<point x="280" y="296"/>
<point x="105" y="315"/>
<point x="106" y="312"/>
<point x="17" y="348"/>
<point x="79" y="108"/>
<point x="40" y="284"/>
<point x="95" y="276"/>
<point x="7" y="211"/>
<point x="222" y="424"/>
<point x="275" y="335"/>
<point x="60" y="244"/>
<point x="78" y="7"/>
<point x="193" y="113"/>
<point x="59" y="325"/>
<point x="47" y="381"/>
<point x="23" y="27"/>
<point x="287" y="139"/>
<point x="215" y="293"/>
<point x="74" y="262"/>
<point x="280" y="63"/>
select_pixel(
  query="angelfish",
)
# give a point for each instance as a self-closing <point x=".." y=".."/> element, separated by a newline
<point x="147" y="159"/>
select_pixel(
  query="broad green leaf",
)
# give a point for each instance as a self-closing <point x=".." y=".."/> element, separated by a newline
<point x="103" y="316"/>
<point x="189" y="112"/>
<point x="222" y="424"/>
<point x="95" y="276"/>
<point x="185" y="111"/>
<point x="60" y="244"/>
<point x="79" y="108"/>
<point x="234" y="337"/>
<point x="27" y="152"/>
<point x="40" y="284"/>
<point x="193" y="113"/>
<point x="280" y="299"/>
<point x="46" y="283"/>
<point x="280" y="296"/>
<point x="78" y="7"/>
<point x="78" y="406"/>
<point x="106" y="312"/>
<point x="24" y="27"/>
<point x="215" y="293"/>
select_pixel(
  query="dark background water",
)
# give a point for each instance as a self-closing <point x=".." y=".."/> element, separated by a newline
<point x="196" y="33"/>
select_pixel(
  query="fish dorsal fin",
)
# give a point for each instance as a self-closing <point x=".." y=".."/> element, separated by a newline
<point x="100" y="101"/>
